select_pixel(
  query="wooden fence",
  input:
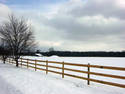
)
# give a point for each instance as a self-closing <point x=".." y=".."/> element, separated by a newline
<point x="36" y="64"/>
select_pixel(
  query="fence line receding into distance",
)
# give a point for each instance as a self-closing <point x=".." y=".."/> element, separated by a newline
<point x="36" y="64"/>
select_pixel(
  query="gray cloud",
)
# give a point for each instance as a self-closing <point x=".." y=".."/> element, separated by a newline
<point x="87" y="29"/>
<point x="96" y="22"/>
<point x="107" y="8"/>
<point x="94" y="26"/>
<point x="80" y="25"/>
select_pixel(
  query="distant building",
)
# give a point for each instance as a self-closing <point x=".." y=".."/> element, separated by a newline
<point x="38" y="54"/>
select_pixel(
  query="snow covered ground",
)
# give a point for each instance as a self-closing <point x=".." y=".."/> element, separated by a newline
<point x="26" y="81"/>
<point x="108" y="61"/>
<point x="116" y="62"/>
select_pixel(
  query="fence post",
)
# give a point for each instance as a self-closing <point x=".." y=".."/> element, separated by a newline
<point x="27" y="64"/>
<point x="21" y="62"/>
<point x="88" y="81"/>
<point x="12" y="61"/>
<point x="35" y="64"/>
<point x="46" y="66"/>
<point x="62" y="69"/>
<point x="9" y="60"/>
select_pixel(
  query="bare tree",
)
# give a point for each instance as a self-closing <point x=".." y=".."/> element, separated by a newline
<point x="18" y="35"/>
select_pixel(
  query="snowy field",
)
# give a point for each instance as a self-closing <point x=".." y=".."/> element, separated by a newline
<point x="26" y="81"/>
<point x="116" y="62"/>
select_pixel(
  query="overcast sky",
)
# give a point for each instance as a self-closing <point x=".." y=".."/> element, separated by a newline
<point x="75" y="25"/>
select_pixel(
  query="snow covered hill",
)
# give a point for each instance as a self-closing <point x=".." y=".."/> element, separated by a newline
<point x="25" y="81"/>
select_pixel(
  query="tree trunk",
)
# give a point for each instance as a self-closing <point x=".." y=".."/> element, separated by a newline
<point x="17" y="63"/>
<point x="4" y="61"/>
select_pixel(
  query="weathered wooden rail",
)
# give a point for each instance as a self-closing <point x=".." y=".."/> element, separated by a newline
<point x="29" y="62"/>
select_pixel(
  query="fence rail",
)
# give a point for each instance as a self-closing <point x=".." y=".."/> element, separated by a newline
<point x="36" y="64"/>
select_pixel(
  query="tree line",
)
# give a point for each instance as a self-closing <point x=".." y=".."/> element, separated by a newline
<point x="84" y="54"/>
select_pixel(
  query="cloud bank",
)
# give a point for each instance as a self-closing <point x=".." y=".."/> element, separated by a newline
<point x="79" y="25"/>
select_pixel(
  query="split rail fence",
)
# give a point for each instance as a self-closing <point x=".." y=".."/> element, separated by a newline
<point x="29" y="62"/>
